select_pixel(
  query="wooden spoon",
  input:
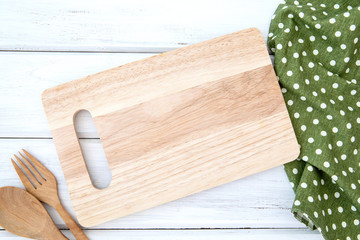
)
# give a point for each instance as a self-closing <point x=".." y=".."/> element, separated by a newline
<point x="23" y="214"/>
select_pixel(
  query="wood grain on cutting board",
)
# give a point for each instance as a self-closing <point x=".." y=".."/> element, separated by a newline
<point x="173" y="125"/>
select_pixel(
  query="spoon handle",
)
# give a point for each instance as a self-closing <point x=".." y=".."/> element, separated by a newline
<point x="74" y="228"/>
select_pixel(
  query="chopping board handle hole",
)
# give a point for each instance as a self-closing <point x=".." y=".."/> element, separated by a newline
<point x="92" y="150"/>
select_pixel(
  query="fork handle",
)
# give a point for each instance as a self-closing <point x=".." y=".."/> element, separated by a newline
<point x="74" y="228"/>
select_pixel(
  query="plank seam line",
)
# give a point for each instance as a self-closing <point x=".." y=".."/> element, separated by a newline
<point x="182" y="229"/>
<point x="34" y="138"/>
<point x="60" y="51"/>
<point x="63" y="51"/>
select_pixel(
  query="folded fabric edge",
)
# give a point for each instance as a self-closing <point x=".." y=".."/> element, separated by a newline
<point x="309" y="222"/>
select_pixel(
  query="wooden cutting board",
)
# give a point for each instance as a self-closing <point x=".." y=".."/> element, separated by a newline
<point x="173" y="124"/>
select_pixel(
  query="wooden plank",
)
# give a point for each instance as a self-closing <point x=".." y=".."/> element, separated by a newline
<point x="234" y="205"/>
<point x="134" y="26"/>
<point x="25" y="75"/>
<point x="233" y="234"/>
<point x="131" y="26"/>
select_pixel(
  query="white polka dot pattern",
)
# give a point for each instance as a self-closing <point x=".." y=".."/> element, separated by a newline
<point x="317" y="61"/>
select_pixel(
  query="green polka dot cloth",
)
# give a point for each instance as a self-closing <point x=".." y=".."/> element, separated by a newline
<point x="317" y="61"/>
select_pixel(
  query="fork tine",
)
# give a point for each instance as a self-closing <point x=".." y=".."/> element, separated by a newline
<point x="30" y="176"/>
<point x="27" y="183"/>
<point x="42" y="169"/>
<point x="35" y="171"/>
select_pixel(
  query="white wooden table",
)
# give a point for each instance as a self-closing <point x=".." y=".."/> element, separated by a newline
<point x="44" y="43"/>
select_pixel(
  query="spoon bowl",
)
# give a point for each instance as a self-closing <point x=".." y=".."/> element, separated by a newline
<point x="23" y="214"/>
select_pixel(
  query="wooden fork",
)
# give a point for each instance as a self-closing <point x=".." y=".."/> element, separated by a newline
<point x="41" y="183"/>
